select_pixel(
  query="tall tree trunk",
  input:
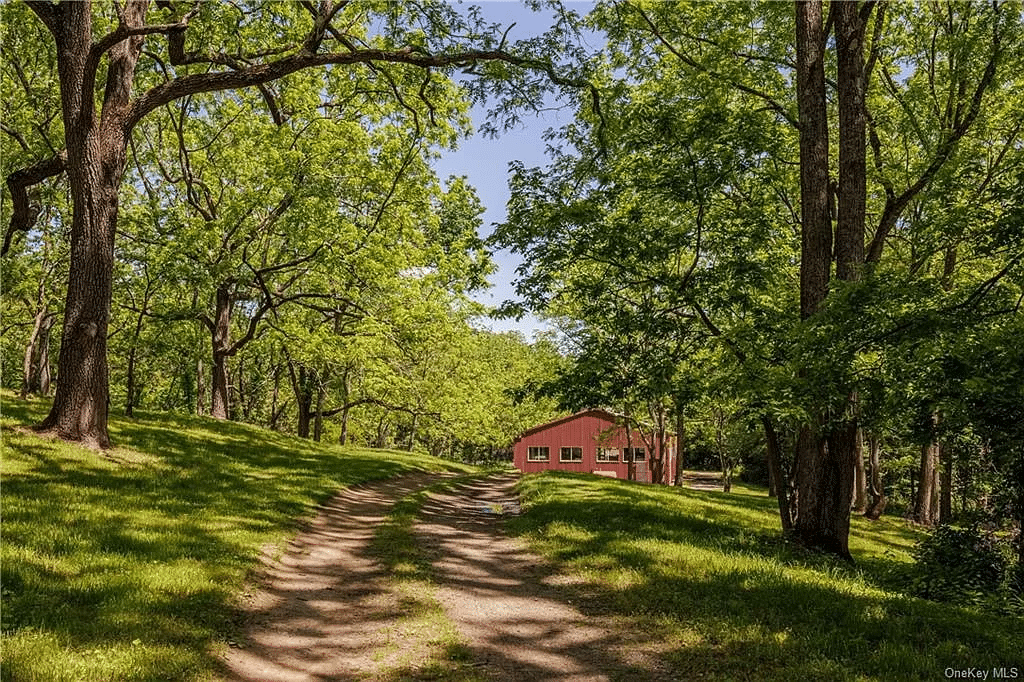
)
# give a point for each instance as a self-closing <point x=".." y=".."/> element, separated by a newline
<point x="860" y="478"/>
<point x="383" y="430"/>
<point x="36" y="363"/>
<point x="631" y="460"/>
<point x="876" y="489"/>
<point x="680" y="445"/>
<point x="130" y="389"/>
<point x="926" y="510"/>
<point x="412" y="433"/>
<point x="926" y="507"/>
<point x="318" y="420"/>
<point x="220" y="337"/>
<point x="946" y="485"/>
<point x="777" y="473"/>
<point x="95" y="146"/>
<point x="200" y="387"/>
<point x="303" y="398"/>
<point x="822" y="520"/>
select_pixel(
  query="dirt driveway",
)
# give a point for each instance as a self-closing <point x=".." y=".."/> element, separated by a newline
<point x="325" y="610"/>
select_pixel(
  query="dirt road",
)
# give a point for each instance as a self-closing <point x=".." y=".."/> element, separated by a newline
<point x="325" y="610"/>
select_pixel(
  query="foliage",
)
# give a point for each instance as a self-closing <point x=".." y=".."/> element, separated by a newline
<point x="967" y="565"/>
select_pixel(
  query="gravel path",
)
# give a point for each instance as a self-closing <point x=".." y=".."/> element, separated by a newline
<point x="325" y="610"/>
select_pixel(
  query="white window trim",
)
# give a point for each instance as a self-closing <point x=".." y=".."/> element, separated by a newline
<point x="605" y="452"/>
<point x="545" y="448"/>
<point x="561" y="454"/>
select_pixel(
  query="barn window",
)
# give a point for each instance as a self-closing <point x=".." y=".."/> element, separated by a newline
<point x="637" y="454"/>
<point x="571" y="455"/>
<point x="539" y="454"/>
<point x="607" y="454"/>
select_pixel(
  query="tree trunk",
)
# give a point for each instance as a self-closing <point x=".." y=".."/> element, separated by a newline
<point x="658" y="456"/>
<point x="946" y="485"/>
<point x="383" y="429"/>
<point x="777" y="473"/>
<point x="680" y="445"/>
<point x="876" y="490"/>
<point x="36" y="363"/>
<point x="220" y="337"/>
<point x="303" y="398"/>
<point x="631" y="461"/>
<point x="860" y="478"/>
<point x="926" y="510"/>
<point x="926" y="507"/>
<point x="822" y="520"/>
<point x="412" y="433"/>
<point x="96" y="158"/>
<point x="318" y="420"/>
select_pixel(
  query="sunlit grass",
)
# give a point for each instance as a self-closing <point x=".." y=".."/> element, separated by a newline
<point x="126" y="565"/>
<point x="431" y="646"/>
<point x="709" y="577"/>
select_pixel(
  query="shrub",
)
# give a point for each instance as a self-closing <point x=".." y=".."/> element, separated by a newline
<point x="967" y="565"/>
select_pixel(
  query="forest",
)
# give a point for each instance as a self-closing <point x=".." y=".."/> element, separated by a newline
<point x="793" y="234"/>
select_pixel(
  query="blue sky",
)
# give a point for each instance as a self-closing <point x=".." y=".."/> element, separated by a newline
<point x="485" y="161"/>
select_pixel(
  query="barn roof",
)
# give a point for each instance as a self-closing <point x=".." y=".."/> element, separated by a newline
<point x="608" y="414"/>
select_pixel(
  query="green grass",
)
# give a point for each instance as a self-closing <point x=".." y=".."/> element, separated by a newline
<point x="126" y="564"/>
<point x="724" y="597"/>
<point x="431" y="646"/>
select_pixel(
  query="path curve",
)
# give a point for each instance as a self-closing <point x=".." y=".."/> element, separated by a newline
<point x="325" y="609"/>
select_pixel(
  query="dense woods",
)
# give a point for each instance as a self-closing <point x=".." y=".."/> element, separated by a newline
<point x="792" y="233"/>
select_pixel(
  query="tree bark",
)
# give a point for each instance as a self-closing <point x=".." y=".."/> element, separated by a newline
<point x="36" y="363"/>
<point x="777" y="473"/>
<point x="946" y="485"/>
<point x="860" y="478"/>
<point x="383" y="431"/>
<point x="220" y="339"/>
<point x="303" y="398"/>
<point x="876" y="489"/>
<point x="95" y="146"/>
<point x="926" y="511"/>
<point x="680" y="445"/>
<point x="823" y="495"/>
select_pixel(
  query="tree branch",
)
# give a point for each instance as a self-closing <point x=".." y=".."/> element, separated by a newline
<point x="775" y="106"/>
<point x="257" y="74"/>
<point x="23" y="216"/>
<point x="894" y="206"/>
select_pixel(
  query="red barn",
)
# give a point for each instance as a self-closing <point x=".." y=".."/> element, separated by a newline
<point x="592" y="441"/>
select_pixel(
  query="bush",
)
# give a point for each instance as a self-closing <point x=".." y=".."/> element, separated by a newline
<point x="969" y="565"/>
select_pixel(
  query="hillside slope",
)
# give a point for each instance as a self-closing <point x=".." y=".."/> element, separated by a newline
<point x="127" y="564"/>
<point x="720" y="595"/>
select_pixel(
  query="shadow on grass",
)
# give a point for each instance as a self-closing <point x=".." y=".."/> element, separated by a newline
<point x="728" y="600"/>
<point x="113" y="560"/>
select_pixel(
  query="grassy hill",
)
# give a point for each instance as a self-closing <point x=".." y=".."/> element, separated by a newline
<point x="126" y="565"/>
<point x="707" y="576"/>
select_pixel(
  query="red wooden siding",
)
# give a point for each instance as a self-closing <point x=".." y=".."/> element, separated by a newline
<point x="588" y="430"/>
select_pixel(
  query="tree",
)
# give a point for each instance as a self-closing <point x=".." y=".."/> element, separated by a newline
<point x="267" y="44"/>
